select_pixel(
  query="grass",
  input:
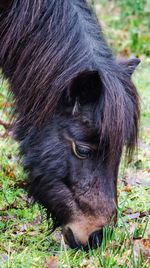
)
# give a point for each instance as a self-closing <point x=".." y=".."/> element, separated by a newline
<point x="126" y="25"/>
<point x="25" y="241"/>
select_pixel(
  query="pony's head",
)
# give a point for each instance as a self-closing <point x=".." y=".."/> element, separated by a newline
<point x="73" y="161"/>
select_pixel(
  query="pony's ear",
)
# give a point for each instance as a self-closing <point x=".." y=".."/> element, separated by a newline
<point x="85" y="88"/>
<point x="4" y="4"/>
<point x="131" y="65"/>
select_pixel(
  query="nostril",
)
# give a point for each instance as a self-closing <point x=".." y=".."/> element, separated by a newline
<point x="96" y="238"/>
<point x="70" y="239"/>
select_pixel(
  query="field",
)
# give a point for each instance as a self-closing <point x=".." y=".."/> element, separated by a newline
<point x="25" y="239"/>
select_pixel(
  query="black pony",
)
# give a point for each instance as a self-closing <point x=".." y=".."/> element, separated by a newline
<point x="76" y="108"/>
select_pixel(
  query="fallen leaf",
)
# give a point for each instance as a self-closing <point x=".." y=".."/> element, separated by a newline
<point x="142" y="245"/>
<point x="9" y="172"/>
<point x="133" y="216"/>
<point x="51" y="262"/>
<point x="129" y="212"/>
<point x="126" y="189"/>
<point x="146" y="242"/>
<point x="124" y="52"/>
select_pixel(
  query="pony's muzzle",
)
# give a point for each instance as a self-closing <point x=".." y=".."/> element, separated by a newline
<point x="94" y="240"/>
<point x="84" y="234"/>
<point x="87" y="233"/>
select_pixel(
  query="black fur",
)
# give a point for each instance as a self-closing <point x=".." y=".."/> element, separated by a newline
<point x="53" y="53"/>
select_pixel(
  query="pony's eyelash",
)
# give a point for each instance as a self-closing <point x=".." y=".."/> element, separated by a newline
<point x="82" y="151"/>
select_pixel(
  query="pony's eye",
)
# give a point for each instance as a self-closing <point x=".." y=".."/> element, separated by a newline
<point x="82" y="151"/>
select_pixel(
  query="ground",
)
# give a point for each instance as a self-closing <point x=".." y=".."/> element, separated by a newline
<point x="25" y="241"/>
